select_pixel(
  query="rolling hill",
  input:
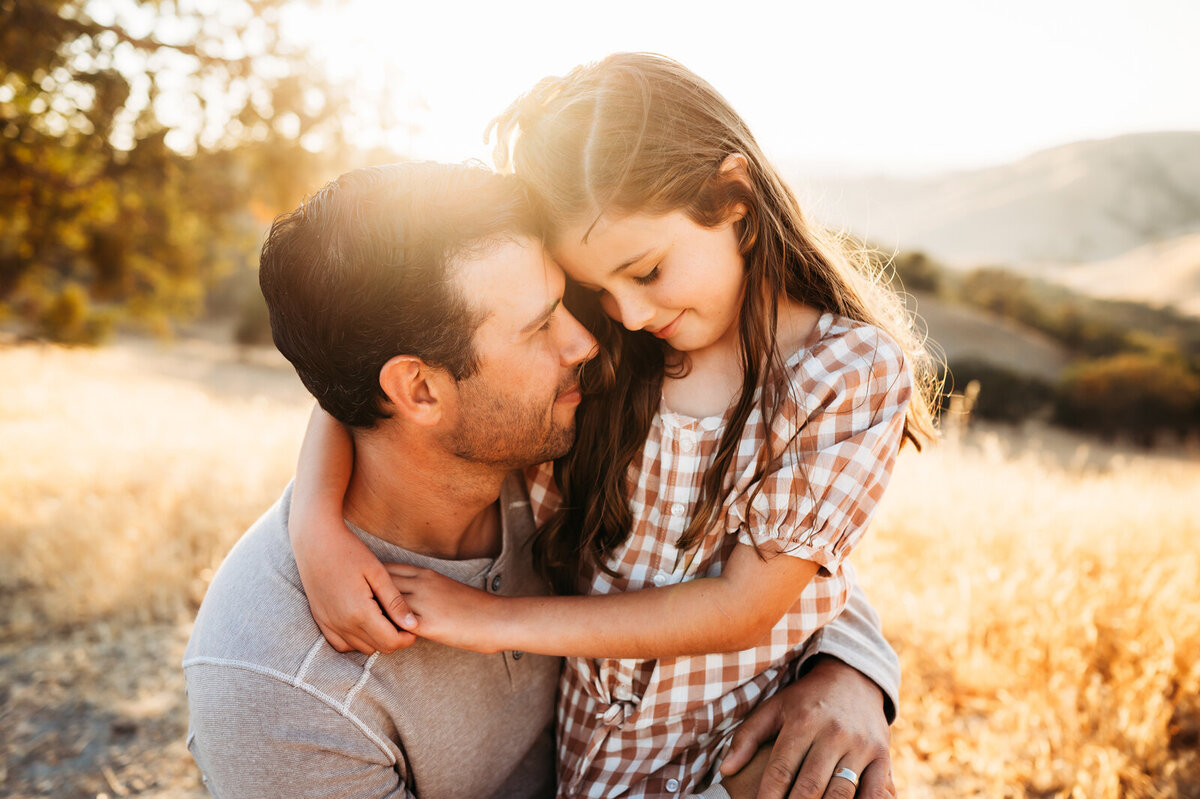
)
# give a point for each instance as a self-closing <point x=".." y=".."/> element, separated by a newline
<point x="1160" y="273"/>
<point x="956" y="333"/>
<point x="1115" y="217"/>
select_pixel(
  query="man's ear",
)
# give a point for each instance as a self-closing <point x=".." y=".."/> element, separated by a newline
<point x="737" y="167"/>
<point x="415" y="389"/>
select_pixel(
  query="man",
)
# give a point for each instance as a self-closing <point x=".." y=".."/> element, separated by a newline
<point x="418" y="306"/>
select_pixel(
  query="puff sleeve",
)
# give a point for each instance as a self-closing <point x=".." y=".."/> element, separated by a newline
<point x="836" y="436"/>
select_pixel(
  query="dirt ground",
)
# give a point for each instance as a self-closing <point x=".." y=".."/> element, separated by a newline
<point x="98" y="711"/>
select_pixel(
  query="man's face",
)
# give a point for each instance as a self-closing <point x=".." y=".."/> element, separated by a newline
<point x="519" y="407"/>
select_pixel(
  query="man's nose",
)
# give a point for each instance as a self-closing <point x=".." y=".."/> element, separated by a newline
<point x="578" y="345"/>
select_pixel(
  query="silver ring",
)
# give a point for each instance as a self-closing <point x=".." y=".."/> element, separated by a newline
<point x="847" y="774"/>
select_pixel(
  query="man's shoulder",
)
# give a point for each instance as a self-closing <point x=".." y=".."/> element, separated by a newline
<point x="255" y="644"/>
<point x="255" y="606"/>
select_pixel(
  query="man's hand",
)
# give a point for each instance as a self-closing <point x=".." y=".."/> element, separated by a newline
<point x="744" y="784"/>
<point x="830" y="718"/>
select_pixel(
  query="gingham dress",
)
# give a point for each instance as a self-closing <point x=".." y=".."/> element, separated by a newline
<point x="634" y="728"/>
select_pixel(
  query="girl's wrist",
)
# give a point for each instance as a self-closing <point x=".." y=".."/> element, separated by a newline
<point x="502" y="622"/>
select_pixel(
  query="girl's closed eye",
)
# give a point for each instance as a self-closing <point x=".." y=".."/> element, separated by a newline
<point x="648" y="278"/>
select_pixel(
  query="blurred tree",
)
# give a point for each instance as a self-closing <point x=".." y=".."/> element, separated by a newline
<point x="1130" y="393"/>
<point x="138" y="142"/>
<point x="1000" y="291"/>
<point x="1004" y="395"/>
<point x="917" y="271"/>
<point x="1092" y="335"/>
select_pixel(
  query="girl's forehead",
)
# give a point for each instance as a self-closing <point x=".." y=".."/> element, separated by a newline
<point x="613" y="230"/>
<point x="610" y="241"/>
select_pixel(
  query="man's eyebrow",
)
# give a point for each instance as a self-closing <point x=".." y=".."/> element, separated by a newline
<point x="542" y="317"/>
<point x="626" y="264"/>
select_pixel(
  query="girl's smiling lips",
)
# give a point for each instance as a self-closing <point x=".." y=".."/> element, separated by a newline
<point x="669" y="330"/>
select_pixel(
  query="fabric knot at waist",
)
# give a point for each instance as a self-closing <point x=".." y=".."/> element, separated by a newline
<point x="615" y="713"/>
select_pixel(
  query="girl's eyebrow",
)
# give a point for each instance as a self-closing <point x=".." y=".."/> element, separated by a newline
<point x="625" y="265"/>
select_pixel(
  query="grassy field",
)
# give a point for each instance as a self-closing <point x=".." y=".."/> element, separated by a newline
<point x="1041" y="589"/>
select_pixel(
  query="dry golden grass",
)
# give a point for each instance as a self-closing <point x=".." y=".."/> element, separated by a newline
<point x="128" y="473"/>
<point x="1042" y="592"/>
<point x="1045" y="599"/>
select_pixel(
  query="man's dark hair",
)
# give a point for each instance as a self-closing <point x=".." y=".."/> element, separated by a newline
<point x="363" y="271"/>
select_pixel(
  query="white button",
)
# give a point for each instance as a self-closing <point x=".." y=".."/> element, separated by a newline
<point x="687" y="445"/>
<point x="660" y="579"/>
<point x="677" y="509"/>
<point x="672" y="785"/>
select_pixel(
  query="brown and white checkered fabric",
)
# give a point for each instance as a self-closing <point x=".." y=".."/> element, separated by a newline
<point x="657" y="727"/>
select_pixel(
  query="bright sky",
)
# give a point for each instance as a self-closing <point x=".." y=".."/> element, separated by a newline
<point x="838" y="86"/>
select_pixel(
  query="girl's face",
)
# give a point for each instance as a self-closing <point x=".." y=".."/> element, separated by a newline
<point x="663" y="274"/>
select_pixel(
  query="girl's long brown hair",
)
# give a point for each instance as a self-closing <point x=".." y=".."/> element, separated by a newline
<point x="640" y="133"/>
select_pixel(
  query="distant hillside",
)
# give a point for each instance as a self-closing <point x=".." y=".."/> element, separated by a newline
<point x="1162" y="273"/>
<point x="1081" y="202"/>
<point x="959" y="333"/>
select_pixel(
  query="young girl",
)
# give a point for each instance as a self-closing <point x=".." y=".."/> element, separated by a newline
<point x="737" y="433"/>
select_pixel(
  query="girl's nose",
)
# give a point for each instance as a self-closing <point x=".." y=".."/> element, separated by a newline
<point x="631" y="311"/>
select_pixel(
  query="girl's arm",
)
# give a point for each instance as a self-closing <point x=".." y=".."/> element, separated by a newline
<point x="728" y="613"/>
<point x="345" y="583"/>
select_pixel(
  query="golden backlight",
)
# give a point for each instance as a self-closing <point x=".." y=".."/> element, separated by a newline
<point x="861" y="87"/>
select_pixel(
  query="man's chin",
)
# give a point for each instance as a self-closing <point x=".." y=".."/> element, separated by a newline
<point x="560" y="444"/>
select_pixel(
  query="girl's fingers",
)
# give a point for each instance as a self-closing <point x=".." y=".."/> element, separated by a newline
<point x="402" y="569"/>
<point x="391" y="600"/>
<point x="382" y="636"/>
<point x="336" y="641"/>
<point x="355" y="644"/>
<point x="366" y="647"/>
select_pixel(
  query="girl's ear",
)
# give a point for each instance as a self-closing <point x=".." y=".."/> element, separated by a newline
<point x="414" y="389"/>
<point x="737" y="167"/>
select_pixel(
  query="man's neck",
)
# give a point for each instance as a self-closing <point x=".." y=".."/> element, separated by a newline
<point x="424" y="501"/>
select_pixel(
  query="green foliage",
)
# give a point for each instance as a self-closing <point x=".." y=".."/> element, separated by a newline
<point x="1137" y="371"/>
<point x="139" y="165"/>
<point x="1087" y="327"/>
<point x="1004" y="395"/>
<point x="253" y="324"/>
<point x="1130" y="393"/>
<point x="69" y="318"/>
<point x="1090" y="335"/>
<point x="1000" y="291"/>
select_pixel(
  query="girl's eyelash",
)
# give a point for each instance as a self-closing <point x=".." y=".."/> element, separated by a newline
<point x="647" y="278"/>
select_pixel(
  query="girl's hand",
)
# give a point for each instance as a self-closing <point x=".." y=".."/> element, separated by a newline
<point x="349" y="592"/>
<point x="447" y="611"/>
